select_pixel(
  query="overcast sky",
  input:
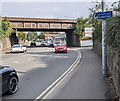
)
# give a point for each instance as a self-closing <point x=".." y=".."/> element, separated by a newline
<point x="66" y="10"/>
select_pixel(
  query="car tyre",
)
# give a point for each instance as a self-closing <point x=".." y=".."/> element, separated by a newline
<point x="25" y="50"/>
<point x="12" y="85"/>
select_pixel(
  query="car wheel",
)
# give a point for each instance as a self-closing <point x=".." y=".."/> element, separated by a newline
<point x="12" y="85"/>
<point x="25" y="50"/>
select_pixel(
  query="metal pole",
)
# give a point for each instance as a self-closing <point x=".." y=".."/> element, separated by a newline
<point x="16" y="32"/>
<point x="104" y="47"/>
<point x="119" y="8"/>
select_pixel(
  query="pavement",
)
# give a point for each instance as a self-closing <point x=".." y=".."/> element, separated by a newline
<point x="88" y="81"/>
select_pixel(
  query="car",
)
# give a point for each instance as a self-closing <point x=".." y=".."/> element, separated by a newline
<point x="18" y="48"/>
<point x="61" y="48"/>
<point x="44" y="43"/>
<point x="53" y="44"/>
<point x="32" y="43"/>
<point x="9" y="80"/>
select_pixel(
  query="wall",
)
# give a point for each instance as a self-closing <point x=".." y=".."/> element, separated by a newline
<point x="97" y="48"/>
<point x="5" y="44"/>
<point x="113" y="62"/>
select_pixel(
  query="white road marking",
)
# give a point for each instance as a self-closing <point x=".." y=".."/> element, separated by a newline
<point x="45" y="93"/>
<point x="38" y="55"/>
<point x="61" y="56"/>
<point x="29" y="59"/>
<point x="16" y="61"/>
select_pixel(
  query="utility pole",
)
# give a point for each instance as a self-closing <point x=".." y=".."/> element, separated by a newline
<point x="104" y="46"/>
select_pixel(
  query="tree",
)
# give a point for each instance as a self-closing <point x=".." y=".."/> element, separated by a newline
<point x="32" y="36"/>
<point x="113" y="36"/>
<point x="0" y="29"/>
<point x="116" y="7"/>
<point x="96" y="24"/>
<point x="22" y="36"/>
<point x="41" y="36"/>
<point x="6" y="29"/>
<point x="80" y="27"/>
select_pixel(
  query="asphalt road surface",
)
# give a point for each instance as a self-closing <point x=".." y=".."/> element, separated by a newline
<point x="37" y="69"/>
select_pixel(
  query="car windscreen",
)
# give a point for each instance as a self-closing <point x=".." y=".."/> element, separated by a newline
<point x="16" y="46"/>
<point x="1" y="67"/>
<point x="61" y="45"/>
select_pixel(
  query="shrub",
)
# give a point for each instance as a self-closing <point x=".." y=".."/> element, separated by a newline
<point x="86" y="38"/>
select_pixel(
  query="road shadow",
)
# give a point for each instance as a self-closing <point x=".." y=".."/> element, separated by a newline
<point x="37" y="46"/>
<point x="13" y="52"/>
<point x="45" y="53"/>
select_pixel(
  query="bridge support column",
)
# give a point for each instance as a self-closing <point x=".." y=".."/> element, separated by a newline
<point x="69" y="35"/>
<point x="72" y="39"/>
<point x="77" y="40"/>
<point x="13" y="39"/>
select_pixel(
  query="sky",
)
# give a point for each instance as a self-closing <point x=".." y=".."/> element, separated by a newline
<point x="52" y="9"/>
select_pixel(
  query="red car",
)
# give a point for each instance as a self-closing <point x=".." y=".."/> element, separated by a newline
<point x="61" y="48"/>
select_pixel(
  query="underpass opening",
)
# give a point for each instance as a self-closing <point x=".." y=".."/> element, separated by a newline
<point x="69" y="35"/>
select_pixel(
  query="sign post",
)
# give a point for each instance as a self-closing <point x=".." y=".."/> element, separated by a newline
<point x="104" y="47"/>
<point x="103" y="16"/>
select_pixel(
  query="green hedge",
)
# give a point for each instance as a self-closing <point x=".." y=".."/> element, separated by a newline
<point x="86" y="38"/>
<point x="113" y="33"/>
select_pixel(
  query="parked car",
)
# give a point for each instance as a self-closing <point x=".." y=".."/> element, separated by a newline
<point x="62" y="47"/>
<point x="33" y="43"/>
<point x="18" y="48"/>
<point x="9" y="79"/>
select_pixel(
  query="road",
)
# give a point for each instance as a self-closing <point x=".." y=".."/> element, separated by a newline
<point x="86" y="83"/>
<point x="37" y="69"/>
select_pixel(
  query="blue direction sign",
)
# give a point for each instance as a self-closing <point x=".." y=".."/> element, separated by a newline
<point x="103" y="15"/>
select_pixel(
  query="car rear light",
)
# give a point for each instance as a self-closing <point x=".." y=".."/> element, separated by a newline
<point x="65" y="47"/>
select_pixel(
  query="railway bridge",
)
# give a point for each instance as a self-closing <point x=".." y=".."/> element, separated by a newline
<point x="44" y="24"/>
